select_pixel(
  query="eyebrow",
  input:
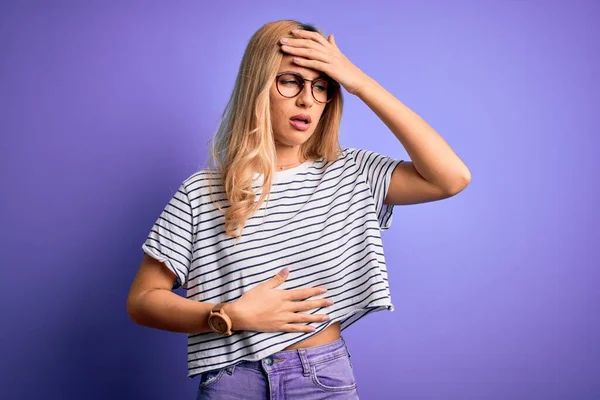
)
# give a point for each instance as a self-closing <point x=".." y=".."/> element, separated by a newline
<point x="298" y="73"/>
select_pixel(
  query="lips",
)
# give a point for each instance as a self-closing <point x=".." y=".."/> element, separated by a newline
<point x="300" y="121"/>
<point x="301" y="117"/>
<point x="300" y="125"/>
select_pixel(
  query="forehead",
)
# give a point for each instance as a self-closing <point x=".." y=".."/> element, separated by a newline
<point x="288" y="65"/>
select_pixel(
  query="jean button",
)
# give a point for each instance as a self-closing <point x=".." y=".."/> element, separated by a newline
<point x="269" y="361"/>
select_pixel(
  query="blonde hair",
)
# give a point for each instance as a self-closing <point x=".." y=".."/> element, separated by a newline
<point x="244" y="141"/>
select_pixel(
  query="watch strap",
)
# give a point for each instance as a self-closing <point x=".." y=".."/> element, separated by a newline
<point x="217" y="308"/>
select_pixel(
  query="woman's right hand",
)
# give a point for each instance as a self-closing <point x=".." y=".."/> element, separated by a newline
<point x="265" y="308"/>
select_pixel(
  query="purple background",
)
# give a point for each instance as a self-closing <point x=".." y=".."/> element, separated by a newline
<point x="106" y="108"/>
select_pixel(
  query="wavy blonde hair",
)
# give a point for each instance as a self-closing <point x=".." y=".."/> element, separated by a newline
<point x="244" y="141"/>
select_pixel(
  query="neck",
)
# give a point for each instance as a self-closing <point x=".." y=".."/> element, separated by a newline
<point x="287" y="156"/>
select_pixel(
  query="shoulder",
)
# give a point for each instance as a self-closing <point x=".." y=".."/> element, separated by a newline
<point x="199" y="184"/>
<point x="200" y="178"/>
<point x="349" y="153"/>
<point x="358" y="153"/>
<point x="370" y="158"/>
<point x="362" y="158"/>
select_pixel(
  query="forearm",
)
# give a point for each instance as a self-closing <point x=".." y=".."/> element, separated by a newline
<point x="166" y="310"/>
<point x="432" y="157"/>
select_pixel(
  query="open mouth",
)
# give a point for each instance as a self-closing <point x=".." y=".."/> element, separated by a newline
<point x="300" y="122"/>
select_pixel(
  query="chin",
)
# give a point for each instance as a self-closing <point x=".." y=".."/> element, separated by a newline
<point x="295" y="139"/>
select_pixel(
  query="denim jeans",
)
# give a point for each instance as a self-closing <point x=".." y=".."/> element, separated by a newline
<point x="318" y="372"/>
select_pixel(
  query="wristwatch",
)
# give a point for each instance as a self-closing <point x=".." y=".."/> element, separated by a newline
<point x="219" y="321"/>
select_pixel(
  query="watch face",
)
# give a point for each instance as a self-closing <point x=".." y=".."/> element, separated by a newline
<point x="221" y="325"/>
<point x="218" y="323"/>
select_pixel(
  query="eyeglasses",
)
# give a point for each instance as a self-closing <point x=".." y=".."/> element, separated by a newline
<point x="291" y="84"/>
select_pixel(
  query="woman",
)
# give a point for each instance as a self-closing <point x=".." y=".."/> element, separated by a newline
<point x="283" y="193"/>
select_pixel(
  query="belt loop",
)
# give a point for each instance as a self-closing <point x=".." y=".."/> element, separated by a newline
<point x="346" y="346"/>
<point x="230" y="369"/>
<point x="305" y="363"/>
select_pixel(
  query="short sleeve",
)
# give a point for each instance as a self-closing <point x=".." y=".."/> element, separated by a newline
<point x="377" y="171"/>
<point x="171" y="238"/>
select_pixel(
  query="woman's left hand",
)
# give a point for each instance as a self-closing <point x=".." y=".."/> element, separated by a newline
<point x="311" y="50"/>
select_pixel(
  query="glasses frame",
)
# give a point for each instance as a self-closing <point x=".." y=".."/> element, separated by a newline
<point x="312" y="85"/>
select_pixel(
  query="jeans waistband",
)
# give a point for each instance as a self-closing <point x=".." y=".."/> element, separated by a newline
<point x="299" y="357"/>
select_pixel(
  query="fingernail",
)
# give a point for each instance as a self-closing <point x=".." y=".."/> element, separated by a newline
<point x="284" y="40"/>
<point x="296" y="31"/>
<point x="329" y="302"/>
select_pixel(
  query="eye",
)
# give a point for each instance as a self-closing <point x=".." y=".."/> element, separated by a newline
<point x="289" y="82"/>
<point x="321" y="85"/>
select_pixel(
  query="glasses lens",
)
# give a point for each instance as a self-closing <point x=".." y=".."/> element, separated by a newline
<point x="289" y="85"/>
<point x="322" y="90"/>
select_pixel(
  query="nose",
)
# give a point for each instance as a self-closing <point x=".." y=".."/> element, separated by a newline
<point x="305" y="96"/>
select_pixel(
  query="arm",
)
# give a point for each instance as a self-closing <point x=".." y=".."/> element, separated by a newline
<point x="435" y="171"/>
<point x="151" y="302"/>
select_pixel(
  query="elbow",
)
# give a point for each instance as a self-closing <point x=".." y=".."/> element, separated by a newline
<point x="133" y="309"/>
<point x="458" y="184"/>
<point x="137" y="308"/>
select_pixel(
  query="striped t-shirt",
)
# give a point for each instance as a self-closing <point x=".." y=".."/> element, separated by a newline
<point x="321" y="219"/>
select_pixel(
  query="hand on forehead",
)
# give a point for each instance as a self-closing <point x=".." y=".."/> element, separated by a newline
<point x="288" y="65"/>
